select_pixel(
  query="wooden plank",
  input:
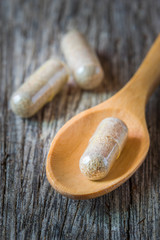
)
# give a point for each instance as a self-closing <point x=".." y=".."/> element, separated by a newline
<point x="30" y="31"/>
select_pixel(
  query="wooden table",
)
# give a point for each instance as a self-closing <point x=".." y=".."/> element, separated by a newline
<point x="30" y="32"/>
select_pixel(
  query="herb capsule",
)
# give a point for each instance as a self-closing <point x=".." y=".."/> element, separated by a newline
<point x="104" y="148"/>
<point x="39" y="88"/>
<point x="82" y="60"/>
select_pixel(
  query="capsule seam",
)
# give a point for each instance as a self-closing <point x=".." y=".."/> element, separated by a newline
<point x="117" y="145"/>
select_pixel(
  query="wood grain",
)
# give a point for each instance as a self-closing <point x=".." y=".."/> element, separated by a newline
<point x="30" y="31"/>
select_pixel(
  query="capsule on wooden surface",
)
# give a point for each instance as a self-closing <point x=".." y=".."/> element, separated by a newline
<point x="39" y="88"/>
<point x="104" y="148"/>
<point x="82" y="60"/>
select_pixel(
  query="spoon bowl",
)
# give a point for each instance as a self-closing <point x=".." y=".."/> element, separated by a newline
<point x="64" y="164"/>
<point x="71" y="141"/>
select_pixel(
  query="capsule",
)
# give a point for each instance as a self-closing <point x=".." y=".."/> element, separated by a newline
<point x="104" y="148"/>
<point x="82" y="60"/>
<point x="39" y="88"/>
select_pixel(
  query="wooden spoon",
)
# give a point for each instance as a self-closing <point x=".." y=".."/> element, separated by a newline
<point x="70" y="142"/>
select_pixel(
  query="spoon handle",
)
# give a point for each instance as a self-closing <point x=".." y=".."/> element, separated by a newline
<point x="145" y="80"/>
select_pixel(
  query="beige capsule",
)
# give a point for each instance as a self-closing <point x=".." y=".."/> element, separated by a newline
<point x="39" y="88"/>
<point x="82" y="60"/>
<point x="104" y="148"/>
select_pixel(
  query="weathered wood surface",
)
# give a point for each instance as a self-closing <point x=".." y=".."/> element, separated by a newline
<point x="121" y="32"/>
